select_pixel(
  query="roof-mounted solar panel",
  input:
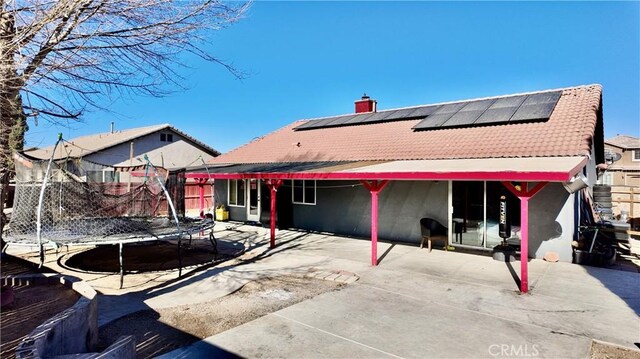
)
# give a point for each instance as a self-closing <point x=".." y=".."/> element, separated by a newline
<point x="468" y="114"/>
<point x="536" y="107"/>
<point x="496" y="115"/>
<point x="511" y="109"/>
<point x="501" y="110"/>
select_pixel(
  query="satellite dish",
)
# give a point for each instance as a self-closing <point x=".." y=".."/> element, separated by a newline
<point x="611" y="156"/>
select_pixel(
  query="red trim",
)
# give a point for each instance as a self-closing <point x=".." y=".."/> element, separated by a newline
<point x="535" y="176"/>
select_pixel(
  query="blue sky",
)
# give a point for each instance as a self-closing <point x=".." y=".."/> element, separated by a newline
<point x="313" y="59"/>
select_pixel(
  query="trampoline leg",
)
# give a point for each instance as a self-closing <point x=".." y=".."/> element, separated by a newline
<point x="190" y="237"/>
<point x="121" y="267"/>
<point x="179" y="257"/>
<point x="214" y="242"/>
<point x="41" y="256"/>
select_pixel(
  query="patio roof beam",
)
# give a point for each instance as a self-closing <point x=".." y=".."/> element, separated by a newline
<point x="524" y="194"/>
<point x="374" y="188"/>
<point x="528" y="176"/>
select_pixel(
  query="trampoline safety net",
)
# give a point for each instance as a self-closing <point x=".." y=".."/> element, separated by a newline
<point x="75" y="201"/>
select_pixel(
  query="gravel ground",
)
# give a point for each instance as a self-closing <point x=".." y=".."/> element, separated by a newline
<point x="160" y="331"/>
<point x="600" y="350"/>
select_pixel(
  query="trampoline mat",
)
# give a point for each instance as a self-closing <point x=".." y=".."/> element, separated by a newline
<point x="144" y="257"/>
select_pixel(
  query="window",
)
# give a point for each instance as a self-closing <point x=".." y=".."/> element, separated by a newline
<point x="169" y="137"/>
<point x="166" y="137"/>
<point x="236" y="193"/>
<point x="636" y="155"/>
<point x="303" y="192"/>
<point x="104" y="176"/>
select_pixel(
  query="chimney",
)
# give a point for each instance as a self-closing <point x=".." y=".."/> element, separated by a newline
<point x="365" y="104"/>
<point x="112" y="124"/>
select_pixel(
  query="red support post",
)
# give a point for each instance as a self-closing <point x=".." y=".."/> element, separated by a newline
<point x="273" y="188"/>
<point x="524" y="244"/>
<point x="374" y="187"/>
<point x="524" y="194"/>
<point x="201" y="182"/>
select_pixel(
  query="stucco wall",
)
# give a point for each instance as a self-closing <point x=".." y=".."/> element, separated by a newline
<point x="343" y="209"/>
<point x="551" y="222"/>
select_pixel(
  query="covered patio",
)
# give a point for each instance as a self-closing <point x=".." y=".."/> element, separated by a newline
<point x="524" y="177"/>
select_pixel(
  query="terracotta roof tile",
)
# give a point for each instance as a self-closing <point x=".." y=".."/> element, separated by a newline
<point x="568" y="132"/>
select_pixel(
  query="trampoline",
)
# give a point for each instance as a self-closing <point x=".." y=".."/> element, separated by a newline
<point x="67" y="201"/>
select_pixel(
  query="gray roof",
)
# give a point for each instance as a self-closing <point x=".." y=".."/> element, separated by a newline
<point x="623" y="141"/>
<point x="86" y="145"/>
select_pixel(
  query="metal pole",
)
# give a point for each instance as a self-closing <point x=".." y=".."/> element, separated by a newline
<point x="121" y="265"/>
<point x="179" y="256"/>
<point x="41" y="198"/>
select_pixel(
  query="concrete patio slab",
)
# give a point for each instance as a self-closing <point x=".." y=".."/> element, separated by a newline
<point x="438" y="304"/>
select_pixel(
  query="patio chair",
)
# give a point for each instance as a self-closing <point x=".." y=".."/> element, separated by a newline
<point x="433" y="230"/>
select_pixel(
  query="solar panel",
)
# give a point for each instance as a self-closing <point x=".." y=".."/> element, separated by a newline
<point x="536" y="107"/>
<point x="496" y="115"/>
<point x="360" y="118"/>
<point x="449" y="108"/>
<point x="479" y="105"/>
<point x="433" y="121"/>
<point x="533" y="112"/>
<point x="462" y="118"/>
<point x="403" y="114"/>
<point x="378" y="116"/>
<point x="545" y="97"/>
<point x="468" y="114"/>
<point x="511" y="109"/>
<point x="511" y="101"/>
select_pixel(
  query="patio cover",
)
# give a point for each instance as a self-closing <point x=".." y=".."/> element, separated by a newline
<point x="530" y="169"/>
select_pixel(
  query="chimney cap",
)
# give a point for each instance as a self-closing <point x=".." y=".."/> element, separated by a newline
<point x="365" y="96"/>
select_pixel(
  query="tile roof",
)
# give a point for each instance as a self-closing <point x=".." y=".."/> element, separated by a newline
<point x="86" y="145"/>
<point x="568" y="132"/>
<point x="622" y="141"/>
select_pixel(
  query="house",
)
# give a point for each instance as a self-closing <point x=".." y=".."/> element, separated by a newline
<point x="622" y="155"/>
<point x="164" y="145"/>
<point x="376" y="173"/>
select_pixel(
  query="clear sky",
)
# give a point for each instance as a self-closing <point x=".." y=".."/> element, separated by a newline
<point x="313" y="59"/>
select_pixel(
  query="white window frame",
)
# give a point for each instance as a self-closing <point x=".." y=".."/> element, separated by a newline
<point x="244" y="193"/>
<point x="633" y="154"/>
<point x="304" y="186"/>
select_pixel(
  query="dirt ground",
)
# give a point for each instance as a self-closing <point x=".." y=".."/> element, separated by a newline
<point x="164" y="330"/>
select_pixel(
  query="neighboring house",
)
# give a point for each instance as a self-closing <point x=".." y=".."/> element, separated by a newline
<point x="451" y="162"/>
<point x="165" y="146"/>
<point x="624" y="171"/>
<point x="622" y="154"/>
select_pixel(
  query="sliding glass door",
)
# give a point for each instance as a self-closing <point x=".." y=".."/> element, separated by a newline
<point x="476" y="211"/>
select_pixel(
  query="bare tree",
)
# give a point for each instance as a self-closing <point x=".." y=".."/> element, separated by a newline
<point x="60" y="57"/>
